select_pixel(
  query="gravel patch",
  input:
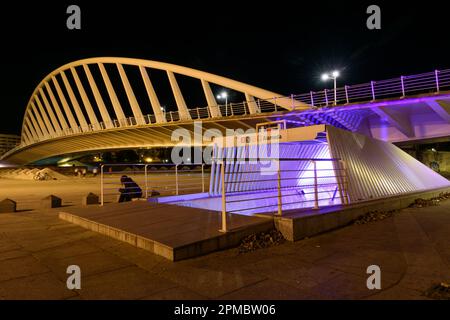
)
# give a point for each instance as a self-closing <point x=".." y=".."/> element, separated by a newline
<point x="439" y="291"/>
<point x="261" y="240"/>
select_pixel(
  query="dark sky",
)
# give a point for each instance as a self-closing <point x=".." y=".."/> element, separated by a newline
<point x="283" y="46"/>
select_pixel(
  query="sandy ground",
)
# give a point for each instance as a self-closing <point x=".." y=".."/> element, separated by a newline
<point x="28" y="193"/>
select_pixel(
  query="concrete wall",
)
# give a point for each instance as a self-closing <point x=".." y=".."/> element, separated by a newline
<point x="296" y="228"/>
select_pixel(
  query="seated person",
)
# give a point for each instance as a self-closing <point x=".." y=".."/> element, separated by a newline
<point x="130" y="189"/>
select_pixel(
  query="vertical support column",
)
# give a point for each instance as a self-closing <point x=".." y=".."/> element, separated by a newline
<point x="311" y="94"/>
<point x="85" y="99"/>
<point x="35" y="125"/>
<point x="280" y="204"/>
<point x="50" y="112"/>
<point x="75" y="105"/>
<point x="344" y="181"/>
<point x="436" y="75"/>
<point x="27" y="131"/>
<point x="211" y="100"/>
<point x="325" y="92"/>
<point x="55" y="105"/>
<point x="69" y="115"/>
<point x="45" y="118"/>
<point x="203" y="177"/>
<point x="101" y="185"/>
<point x="31" y="128"/>
<point x="24" y="138"/>
<point x="39" y="120"/>
<point x="372" y="86"/>
<point x="137" y="113"/>
<point x="252" y="107"/>
<point x="403" y="85"/>
<point x="146" y="181"/>
<point x="316" y="189"/>
<point x="176" y="179"/>
<point x="98" y="98"/>
<point x="346" y="93"/>
<point x="120" y="116"/>
<point x="154" y="101"/>
<point x="181" y="104"/>
<point x="338" y="175"/>
<point x="224" y="202"/>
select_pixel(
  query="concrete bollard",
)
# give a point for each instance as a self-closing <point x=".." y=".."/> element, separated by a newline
<point x="51" y="201"/>
<point x="154" y="193"/>
<point x="7" y="205"/>
<point x="91" y="198"/>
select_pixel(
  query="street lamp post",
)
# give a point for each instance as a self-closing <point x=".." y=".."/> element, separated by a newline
<point x="224" y="95"/>
<point x="333" y="75"/>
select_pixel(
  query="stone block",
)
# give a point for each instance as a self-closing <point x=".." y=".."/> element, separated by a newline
<point x="91" y="198"/>
<point x="7" y="205"/>
<point x="51" y="201"/>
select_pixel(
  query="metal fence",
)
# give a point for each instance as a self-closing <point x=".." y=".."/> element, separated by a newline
<point x="153" y="180"/>
<point x="294" y="184"/>
<point x="430" y="82"/>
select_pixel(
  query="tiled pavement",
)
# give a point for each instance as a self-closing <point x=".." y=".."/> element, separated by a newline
<point x="412" y="250"/>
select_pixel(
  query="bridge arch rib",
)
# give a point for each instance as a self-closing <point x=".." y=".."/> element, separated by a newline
<point x="59" y="107"/>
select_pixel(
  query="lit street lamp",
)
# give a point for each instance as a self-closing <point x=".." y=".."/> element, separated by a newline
<point x="333" y="76"/>
<point x="221" y="96"/>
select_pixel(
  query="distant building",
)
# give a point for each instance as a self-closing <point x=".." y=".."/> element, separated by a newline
<point x="7" y="142"/>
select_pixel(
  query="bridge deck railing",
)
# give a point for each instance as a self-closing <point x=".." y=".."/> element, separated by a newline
<point x="430" y="82"/>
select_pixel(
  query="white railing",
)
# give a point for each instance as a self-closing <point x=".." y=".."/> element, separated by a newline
<point x="430" y="82"/>
<point x="294" y="184"/>
<point x="152" y="179"/>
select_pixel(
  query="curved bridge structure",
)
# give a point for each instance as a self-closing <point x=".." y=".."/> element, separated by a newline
<point x="68" y="111"/>
<point x="110" y="103"/>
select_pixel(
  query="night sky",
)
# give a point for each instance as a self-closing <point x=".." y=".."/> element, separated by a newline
<point x="283" y="46"/>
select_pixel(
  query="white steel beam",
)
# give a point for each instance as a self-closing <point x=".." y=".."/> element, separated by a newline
<point x="401" y="122"/>
<point x="31" y="128"/>
<point x="131" y="97"/>
<point x="154" y="101"/>
<point x="39" y="120"/>
<point x="35" y="124"/>
<point x="181" y="104"/>
<point x="47" y="121"/>
<point x="252" y="107"/>
<point x="62" y="98"/>
<point x="120" y="116"/>
<point x="85" y="99"/>
<point x="75" y="104"/>
<point x="442" y="110"/>
<point x="55" y="122"/>
<point x="98" y="98"/>
<point x="210" y="99"/>
<point x="55" y="106"/>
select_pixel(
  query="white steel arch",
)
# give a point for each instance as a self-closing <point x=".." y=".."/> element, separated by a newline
<point x="51" y="113"/>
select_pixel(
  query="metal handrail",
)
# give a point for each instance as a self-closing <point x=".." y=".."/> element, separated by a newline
<point x="236" y="187"/>
<point x="146" y="172"/>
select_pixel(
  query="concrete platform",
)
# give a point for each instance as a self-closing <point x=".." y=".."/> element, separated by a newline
<point x="170" y="231"/>
<point x="301" y="223"/>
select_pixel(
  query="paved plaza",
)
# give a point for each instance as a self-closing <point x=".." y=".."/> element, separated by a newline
<point x="412" y="249"/>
